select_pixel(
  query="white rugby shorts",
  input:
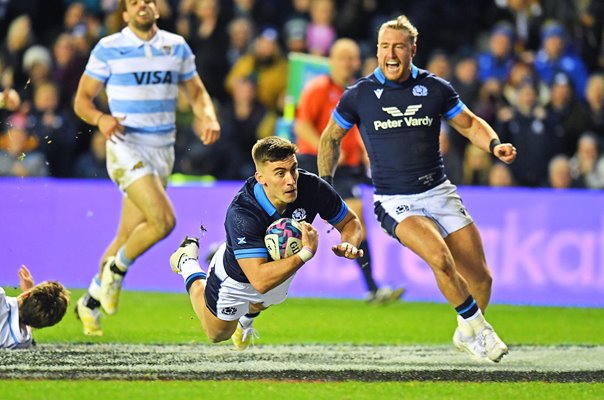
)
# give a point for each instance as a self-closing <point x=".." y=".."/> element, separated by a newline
<point x="127" y="162"/>
<point x="441" y="204"/>
<point x="229" y="299"/>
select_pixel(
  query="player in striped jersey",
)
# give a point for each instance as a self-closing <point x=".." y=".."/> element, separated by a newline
<point x="38" y="306"/>
<point x="398" y="109"/>
<point x="141" y="68"/>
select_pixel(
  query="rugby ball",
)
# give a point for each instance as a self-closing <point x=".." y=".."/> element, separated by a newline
<point x="283" y="238"/>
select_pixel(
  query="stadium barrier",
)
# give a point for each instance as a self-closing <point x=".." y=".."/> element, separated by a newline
<point x="543" y="246"/>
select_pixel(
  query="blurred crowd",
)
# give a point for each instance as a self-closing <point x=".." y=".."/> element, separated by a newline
<point x="533" y="69"/>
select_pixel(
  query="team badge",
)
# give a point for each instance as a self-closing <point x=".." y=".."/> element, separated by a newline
<point x="299" y="214"/>
<point x="167" y="50"/>
<point x="420" y="90"/>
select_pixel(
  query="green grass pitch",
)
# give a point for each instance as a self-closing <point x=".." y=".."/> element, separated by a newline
<point x="147" y="317"/>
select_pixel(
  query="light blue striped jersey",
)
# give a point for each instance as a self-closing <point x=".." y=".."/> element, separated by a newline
<point x="141" y="80"/>
<point x="12" y="334"/>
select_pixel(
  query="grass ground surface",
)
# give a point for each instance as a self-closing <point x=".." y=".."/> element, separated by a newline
<point x="164" y="318"/>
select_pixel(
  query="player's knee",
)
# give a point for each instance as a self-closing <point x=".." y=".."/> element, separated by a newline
<point x="442" y="263"/>
<point x="164" y="224"/>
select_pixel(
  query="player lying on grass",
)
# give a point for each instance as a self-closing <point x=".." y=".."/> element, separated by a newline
<point x="242" y="279"/>
<point x="38" y="306"/>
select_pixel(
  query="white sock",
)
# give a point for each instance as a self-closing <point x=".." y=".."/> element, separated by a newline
<point x="94" y="290"/>
<point x="188" y="267"/>
<point x="121" y="261"/>
<point x="477" y="322"/>
<point x="246" y="322"/>
<point x="464" y="327"/>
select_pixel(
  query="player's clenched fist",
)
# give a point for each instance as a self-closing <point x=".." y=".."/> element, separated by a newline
<point x="506" y="152"/>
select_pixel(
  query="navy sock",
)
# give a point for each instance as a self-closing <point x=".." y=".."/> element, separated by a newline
<point x="468" y="308"/>
<point x="193" y="277"/>
<point x="365" y="264"/>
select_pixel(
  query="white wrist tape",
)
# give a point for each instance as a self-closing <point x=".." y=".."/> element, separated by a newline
<point x="305" y="254"/>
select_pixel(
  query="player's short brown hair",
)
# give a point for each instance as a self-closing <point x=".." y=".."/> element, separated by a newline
<point x="402" y="23"/>
<point x="272" y="148"/>
<point x="45" y="305"/>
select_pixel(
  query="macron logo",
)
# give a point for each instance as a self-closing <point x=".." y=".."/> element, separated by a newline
<point x="378" y="92"/>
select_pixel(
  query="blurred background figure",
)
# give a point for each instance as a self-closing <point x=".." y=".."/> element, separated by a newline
<point x="321" y="33"/>
<point x="559" y="174"/>
<point x="587" y="165"/>
<point x="18" y="153"/>
<point x="557" y="55"/>
<point x="498" y="60"/>
<point x="500" y="175"/>
<point x="594" y="94"/>
<point x="477" y="164"/>
<point x="93" y="163"/>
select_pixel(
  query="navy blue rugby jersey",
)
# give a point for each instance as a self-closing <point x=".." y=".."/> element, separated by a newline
<point x="400" y="125"/>
<point x="251" y="212"/>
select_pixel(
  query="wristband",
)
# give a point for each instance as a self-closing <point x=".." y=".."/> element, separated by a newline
<point x="328" y="179"/>
<point x="494" y="142"/>
<point x="305" y="254"/>
<point x="99" y="119"/>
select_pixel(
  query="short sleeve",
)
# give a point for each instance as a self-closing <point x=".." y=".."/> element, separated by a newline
<point x="332" y="208"/>
<point x="188" y="69"/>
<point x="345" y="113"/>
<point x="452" y="105"/>
<point x="98" y="66"/>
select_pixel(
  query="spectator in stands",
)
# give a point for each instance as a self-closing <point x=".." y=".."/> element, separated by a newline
<point x="439" y="64"/>
<point x="521" y="72"/>
<point x="497" y="62"/>
<point x="243" y="121"/>
<point x="321" y="33"/>
<point x="295" y="35"/>
<point x="477" y="164"/>
<point x="68" y="67"/>
<point x="18" y="39"/>
<point x="204" y="28"/>
<point x="529" y="131"/>
<point x="37" y="64"/>
<point x="55" y="131"/>
<point x="569" y="116"/>
<point x="241" y="35"/>
<point x="491" y="101"/>
<point x="93" y="163"/>
<point x="18" y="154"/>
<point x="595" y="100"/>
<point x="465" y="80"/>
<point x="587" y="165"/>
<point x="500" y="175"/>
<point x="559" y="174"/>
<point x="557" y="55"/>
<point x="267" y="65"/>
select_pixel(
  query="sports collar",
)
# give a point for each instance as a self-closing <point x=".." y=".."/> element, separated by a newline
<point x="263" y="200"/>
<point x="156" y="40"/>
<point x="382" y="79"/>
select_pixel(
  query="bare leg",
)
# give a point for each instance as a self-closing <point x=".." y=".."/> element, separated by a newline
<point x="216" y="329"/>
<point x="466" y="247"/>
<point x="149" y="196"/>
<point x="422" y="237"/>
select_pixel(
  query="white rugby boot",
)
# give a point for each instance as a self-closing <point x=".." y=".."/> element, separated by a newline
<point x="472" y="345"/>
<point x="90" y="318"/>
<point x="189" y="248"/>
<point x="494" y="347"/>
<point x="111" y="286"/>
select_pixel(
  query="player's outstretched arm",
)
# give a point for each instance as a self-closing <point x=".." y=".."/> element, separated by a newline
<point x="351" y="231"/>
<point x="480" y="133"/>
<point x="203" y="109"/>
<point x="26" y="281"/>
<point x="329" y="148"/>
<point x="265" y="275"/>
